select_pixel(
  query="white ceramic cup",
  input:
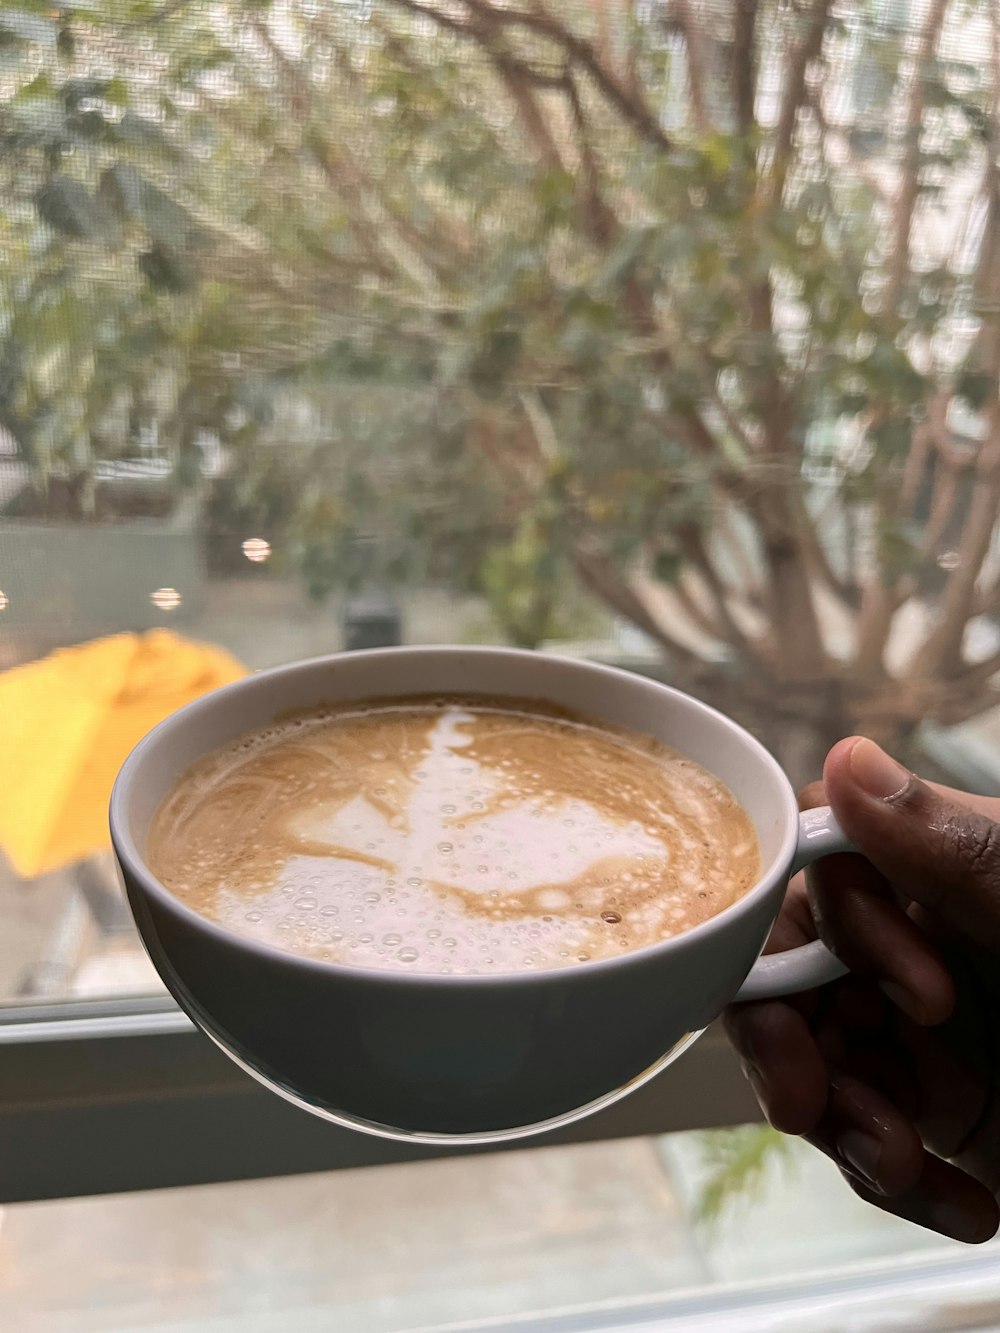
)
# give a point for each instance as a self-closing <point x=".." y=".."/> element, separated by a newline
<point x="468" y="1058"/>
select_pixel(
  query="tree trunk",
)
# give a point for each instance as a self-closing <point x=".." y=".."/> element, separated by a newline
<point x="797" y="723"/>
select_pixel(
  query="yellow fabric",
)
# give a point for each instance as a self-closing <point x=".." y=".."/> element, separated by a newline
<point x="67" y="723"/>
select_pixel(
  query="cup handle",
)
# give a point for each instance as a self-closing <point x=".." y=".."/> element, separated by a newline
<point x="812" y="964"/>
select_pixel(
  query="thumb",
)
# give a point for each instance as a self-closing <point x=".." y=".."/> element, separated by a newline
<point x="934" y="850"/>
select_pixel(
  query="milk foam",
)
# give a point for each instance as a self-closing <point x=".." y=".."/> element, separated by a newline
<point x="454" y="837"/>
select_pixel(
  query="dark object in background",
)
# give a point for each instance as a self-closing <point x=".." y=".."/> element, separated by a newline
<point x="372" y="621"/>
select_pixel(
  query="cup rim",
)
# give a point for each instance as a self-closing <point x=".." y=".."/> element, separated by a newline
<point x="132" y="861"/>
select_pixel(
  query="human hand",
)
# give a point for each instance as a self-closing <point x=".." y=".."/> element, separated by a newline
<point x="894" y="1071"/>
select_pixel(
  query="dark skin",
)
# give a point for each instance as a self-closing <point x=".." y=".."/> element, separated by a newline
<point x="894" y="1071"/>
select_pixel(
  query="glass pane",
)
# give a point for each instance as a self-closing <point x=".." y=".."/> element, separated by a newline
<point x="597" y="1237"/>
<point x="672" y="343"/>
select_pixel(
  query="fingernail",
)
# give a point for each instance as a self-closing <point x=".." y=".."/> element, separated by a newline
<point x="962" y="1223"/>
<point x="861" y="1152"/>
<point x="876" y="773"/>
<point x="910" y="1004"/>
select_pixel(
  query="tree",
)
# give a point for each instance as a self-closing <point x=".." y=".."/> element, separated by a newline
<point x="699" y="296"/>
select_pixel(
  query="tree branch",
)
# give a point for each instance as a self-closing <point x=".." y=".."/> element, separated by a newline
<point x="339" y="169"/>
<point x="605" y="47"/>
<point x="728" y="628"/>
<point x="743" y="62"/>
<point x="600" y="220"/>
<point x="157" y="17"/>
<point x="808" y="49"/>
<point x="443" y="230"/>
<point x="597" y="573"/>
<point x="518" y="84"/>
<point x="980" y="673"/>
<point x="909" y="186"/>
<point x="632" y="79"/>
<point x="630" y="103"/>
<point x="694" y="46"/>
<point x="821" y="568"/>
<point x="700" y="618"/>
<point x="953" y="712"/>
<point x="921" y="443"/>
<point x="941" y="654"/>
<point x="879" y="604"/>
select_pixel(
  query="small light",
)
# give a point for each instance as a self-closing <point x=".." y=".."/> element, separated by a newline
<point x="4" y="601"/>
<point x="165" y="599"/>
<point x="257" y="550"/>
<point x="949" y="560"/>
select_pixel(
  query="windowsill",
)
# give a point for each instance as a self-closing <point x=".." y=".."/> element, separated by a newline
<point x="128" y="1095"/>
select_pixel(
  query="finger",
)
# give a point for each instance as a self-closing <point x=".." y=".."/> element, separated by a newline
<point x="891" y="1075"/>
<point x="781" y="1061"/>
<point x="867" y="930"/>
<point x="813" y="796"/>
<point x="869" y="1137"/>
<point x="944" y="1199"/>
<point x="952" y="1096"/>
<point x="943" y="855"/>
<point x="794" y="925"/>
<point x="865" y="1043"/>
<point x="853" y="909"/>
<point x="859" y="1007"/>
<point x="854" y="1018"/>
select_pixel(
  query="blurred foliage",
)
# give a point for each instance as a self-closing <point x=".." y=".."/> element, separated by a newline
<point x="530" y="588"/>
<point x="511" y="298"/>
<point x="737" y="1164"/>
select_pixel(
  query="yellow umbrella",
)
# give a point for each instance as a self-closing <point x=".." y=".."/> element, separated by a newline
<point x="68" y="721"/>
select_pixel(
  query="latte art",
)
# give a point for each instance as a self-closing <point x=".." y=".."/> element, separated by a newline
<point x="452" y="835"/>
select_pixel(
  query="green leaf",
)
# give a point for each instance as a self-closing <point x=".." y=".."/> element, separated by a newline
<point x="40" y="86"/>
<point x="899" y="548"/>
<point x="167" y="270"/>
<point x="556" y="196"/>
<point x="126" y="190"/>
<point x="492" y="364"/>
<point x="67" y="205"/>
<point x="667" y="566"/>
<point x="116" y="91"/>
<point x="738" y="1161"/>
<point x="75" y="91"/>
<point x="625" y="257"/>
<point x="977" y="387"/>
<point x="140" y="132"/>
<point x="66" y="41"/>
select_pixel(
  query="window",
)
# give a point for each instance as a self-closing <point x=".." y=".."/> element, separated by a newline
<point x="666" y="337"/>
